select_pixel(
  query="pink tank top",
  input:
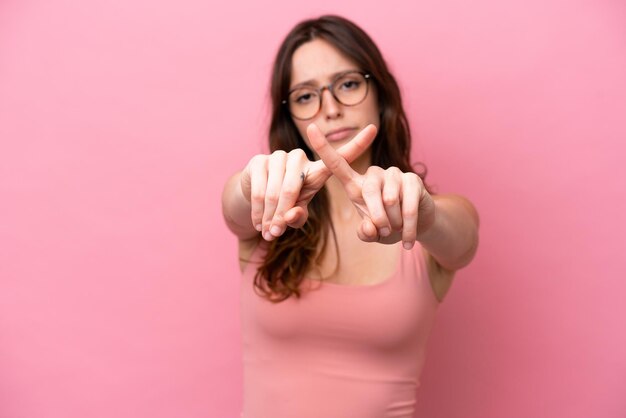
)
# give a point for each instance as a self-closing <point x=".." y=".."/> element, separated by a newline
<point x="340" y="351"/>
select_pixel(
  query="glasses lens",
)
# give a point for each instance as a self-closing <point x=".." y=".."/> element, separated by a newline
<point x="350" y="89"/>
<point x="304" y="103"/>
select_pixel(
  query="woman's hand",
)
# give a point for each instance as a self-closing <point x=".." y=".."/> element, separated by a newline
<point x="393" y="205"/>
<point x="280" y="186"/>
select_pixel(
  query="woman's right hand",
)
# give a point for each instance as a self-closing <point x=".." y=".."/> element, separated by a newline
<point x="280" y="186"/>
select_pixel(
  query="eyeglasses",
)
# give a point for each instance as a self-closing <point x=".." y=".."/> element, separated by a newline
<point x="349" y="89"/>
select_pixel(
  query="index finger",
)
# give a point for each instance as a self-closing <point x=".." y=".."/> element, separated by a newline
<point x="338" y="161"/>
<point x="357" y="145"/>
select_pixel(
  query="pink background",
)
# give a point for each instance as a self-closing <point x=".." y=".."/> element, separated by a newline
<point x="121" y="120"/>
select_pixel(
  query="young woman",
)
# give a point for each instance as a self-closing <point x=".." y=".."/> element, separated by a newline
<point x="345" y="252"/>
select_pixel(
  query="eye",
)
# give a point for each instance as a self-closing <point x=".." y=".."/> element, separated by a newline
<point x="303" y="97"/>
<point x="350" y="84"/>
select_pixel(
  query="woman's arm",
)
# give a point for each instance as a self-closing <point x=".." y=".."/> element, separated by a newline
<point x="452" y="239"/>
<point x="396" y="206"/>
<point x="236" y="209"/>
<point x="273" y="191"/>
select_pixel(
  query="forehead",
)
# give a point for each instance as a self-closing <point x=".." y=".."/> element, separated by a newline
<point x="317" y="60"/>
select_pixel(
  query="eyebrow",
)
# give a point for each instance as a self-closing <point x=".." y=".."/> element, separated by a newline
<point x="333" y="77"/>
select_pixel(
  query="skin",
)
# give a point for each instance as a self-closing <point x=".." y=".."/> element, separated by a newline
<point x="387" y="206"/>
<point x="389" y="202"/>
<point x="318" y="60"/>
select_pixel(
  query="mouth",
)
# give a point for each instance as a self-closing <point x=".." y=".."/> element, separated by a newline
<point x="340" y="134"/>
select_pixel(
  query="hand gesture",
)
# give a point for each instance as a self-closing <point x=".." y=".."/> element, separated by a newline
<point x="393" y="205"/>
<point x="280" y="186"/>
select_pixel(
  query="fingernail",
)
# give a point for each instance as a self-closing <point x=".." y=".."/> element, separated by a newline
<point x="267" y="236"/>
<point x="384" y="232"/>
<point x="275" y="230"/>
<point x="408" y="245"/>
<point x="258" y="227"/>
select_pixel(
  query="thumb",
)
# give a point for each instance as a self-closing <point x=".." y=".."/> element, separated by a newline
<point x="297" y="216"/>
<point x="367" y="231"/>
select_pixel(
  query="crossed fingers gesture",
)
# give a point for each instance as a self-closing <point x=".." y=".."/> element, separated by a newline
<point x="392" y="204"/>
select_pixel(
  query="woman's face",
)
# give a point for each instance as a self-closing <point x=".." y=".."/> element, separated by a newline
<point x="316" y="63"/>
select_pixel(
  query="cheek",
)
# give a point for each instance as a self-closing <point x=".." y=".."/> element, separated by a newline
<point x="373" y="115"/>
<point x="373" y="109"/>
<point x="376" y="116"/>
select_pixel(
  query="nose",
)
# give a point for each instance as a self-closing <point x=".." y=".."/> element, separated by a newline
<point x="330" y="106"/>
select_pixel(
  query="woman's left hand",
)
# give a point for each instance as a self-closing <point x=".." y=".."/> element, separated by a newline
<point x="393" y="205"/>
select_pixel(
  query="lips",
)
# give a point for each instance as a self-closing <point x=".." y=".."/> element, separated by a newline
<point x="339" y="134"/>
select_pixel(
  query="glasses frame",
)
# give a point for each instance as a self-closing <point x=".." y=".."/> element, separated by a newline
<point x="329" y="87"/>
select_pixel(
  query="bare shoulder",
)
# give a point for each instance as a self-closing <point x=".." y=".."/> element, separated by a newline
<point x="440" y="278"/>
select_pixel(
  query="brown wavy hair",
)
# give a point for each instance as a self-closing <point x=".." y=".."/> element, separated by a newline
<point x="290" y="256"/>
